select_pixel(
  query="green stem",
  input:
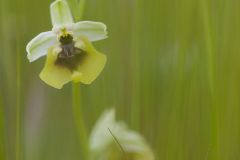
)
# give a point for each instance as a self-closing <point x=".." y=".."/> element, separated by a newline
<point x="209" y="42"/>
<point x="81" y="8"/>
<point x="2" y="134"/>
<point x="135" y="105"/>
<point x="78" y="8"/>
<point x="18" y="105"/>
<point x="18" y="127"/>
<point x="79" y="119"/>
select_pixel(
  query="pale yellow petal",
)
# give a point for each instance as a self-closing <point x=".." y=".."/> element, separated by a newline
<point x="92" y="64"/>
<point x="54" y="75"/>
<point x="146" y="155"/>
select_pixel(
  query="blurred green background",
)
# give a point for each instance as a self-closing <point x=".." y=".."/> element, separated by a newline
<point x="172" y="74"/>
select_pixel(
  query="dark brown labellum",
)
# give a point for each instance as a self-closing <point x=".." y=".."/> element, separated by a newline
<point x="70" y="56"/>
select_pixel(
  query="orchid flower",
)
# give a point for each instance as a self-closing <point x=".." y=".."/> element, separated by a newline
<point x="103" y="145"/>
<point x="70" y="53"/>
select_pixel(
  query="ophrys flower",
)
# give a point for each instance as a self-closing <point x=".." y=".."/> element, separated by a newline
<point x="70" y="54"/>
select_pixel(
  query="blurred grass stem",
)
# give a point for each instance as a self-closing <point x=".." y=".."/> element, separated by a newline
<point x="81" y="6"/>
<point x="209" y="42"/>
<point x="18" y="101"/>
<point x="2" y="134"/>
<point x="135" y="105"/>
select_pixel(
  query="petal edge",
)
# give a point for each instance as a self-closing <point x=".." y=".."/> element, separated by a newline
<point x="60" y="13"/>
<point x="93" y="64"/>
<point x="54" y="75"/>
<point x="39" y="45"/>
<point x="94" y="31"/>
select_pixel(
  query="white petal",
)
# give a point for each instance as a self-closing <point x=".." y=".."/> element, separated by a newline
<point x="60" y="13"/>
<point x="131" y="141"/>
<point x="94" y="31"/>
<point x="39" y="45"/>
<point x="100" y="136"/>
<point x="102" y="141"/>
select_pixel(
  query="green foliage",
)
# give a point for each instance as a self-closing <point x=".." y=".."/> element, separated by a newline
<point x="172" y="73"/>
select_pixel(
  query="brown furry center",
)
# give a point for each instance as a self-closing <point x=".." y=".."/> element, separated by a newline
<point x="70" y="56"/>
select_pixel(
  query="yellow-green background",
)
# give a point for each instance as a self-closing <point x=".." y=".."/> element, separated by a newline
<point x="173" y="74"/>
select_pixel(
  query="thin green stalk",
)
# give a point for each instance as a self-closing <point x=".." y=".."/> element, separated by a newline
<point x="209" y="42"/>
<point x="18" y="81"/>
<point x="135" y="106"/>
<point x="2" y="128"/>
<point x="2" y="134"/>
<point x="81" y="8"/>
<point x="79" y="119"/>
<point x="18" y="105"/>
<point x="78" y="8"/>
